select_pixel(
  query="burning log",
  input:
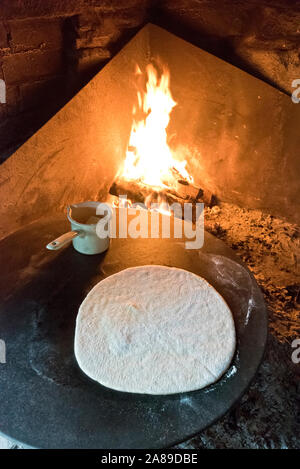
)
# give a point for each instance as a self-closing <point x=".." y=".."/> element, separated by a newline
<point x="182" y="192"/>
<point x="186" y="190"/>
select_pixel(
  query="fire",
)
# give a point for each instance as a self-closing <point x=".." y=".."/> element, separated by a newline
<point x="119" y="203"/>
<point x="149" y="159"/>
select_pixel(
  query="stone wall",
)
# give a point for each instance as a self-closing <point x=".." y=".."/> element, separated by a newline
<point x="50" y="48"/>
<point x="259" y="36"/>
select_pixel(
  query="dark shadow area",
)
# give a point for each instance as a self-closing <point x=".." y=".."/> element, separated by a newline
<point x="219" y="46"/>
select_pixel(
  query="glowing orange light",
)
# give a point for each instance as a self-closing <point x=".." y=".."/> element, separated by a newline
<point x="149" y="158"/>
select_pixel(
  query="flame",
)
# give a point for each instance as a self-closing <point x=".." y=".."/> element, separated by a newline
<point x="121" y="203"/>
<point x="149" y="158"/>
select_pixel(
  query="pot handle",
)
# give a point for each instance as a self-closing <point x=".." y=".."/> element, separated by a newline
<point x="62" y="240"/>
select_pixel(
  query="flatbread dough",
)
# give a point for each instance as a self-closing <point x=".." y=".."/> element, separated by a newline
<point x="154" y="330"/>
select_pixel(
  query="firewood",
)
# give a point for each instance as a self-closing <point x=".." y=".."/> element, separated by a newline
<point x="182" y="192"/>
<point x="187" y="190"/>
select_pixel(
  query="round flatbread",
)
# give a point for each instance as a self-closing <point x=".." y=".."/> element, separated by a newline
<point x="154" y="330"/>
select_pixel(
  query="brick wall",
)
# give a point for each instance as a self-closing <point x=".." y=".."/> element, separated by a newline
<point x="50" y="48"/>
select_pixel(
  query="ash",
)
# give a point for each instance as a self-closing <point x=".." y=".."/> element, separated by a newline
<point x="268" y="415"/>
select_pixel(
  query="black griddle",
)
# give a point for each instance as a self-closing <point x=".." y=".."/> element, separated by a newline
<point x="45" y="399"/>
